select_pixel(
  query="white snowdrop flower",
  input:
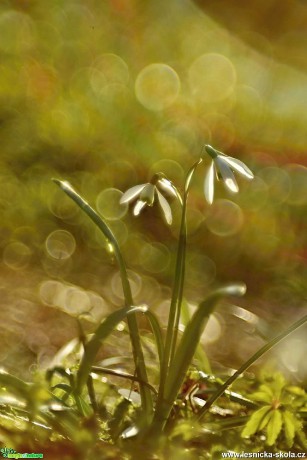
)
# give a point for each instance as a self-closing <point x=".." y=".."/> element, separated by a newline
<point x="147" y="193"/>
<point x="223" y="167"/>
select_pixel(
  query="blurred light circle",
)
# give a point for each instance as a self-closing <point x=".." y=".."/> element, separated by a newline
<point x="181" y="129"/>
<point x="202" y="270"/>
<point x="108" y="205"/>
<point x="97" y="81"/>
<point x="132" y="247"/>
<point x="172" y="169"/>
<point x="194" y="219"/>
<point x="99" y="307"/>
<point x="298" y="190"/>
<point x="49" y="291"/>
<point x="292" y="354"/>
<point x="16" y="31"/>
<point x="151" y="289"/>
<point x="155" y="257"/>
<point x="256" y="194"/>
<point x="120" y="171"/>
<point x="212" y="331"/>
<point x="16" y="255"/>
<point x="76" y="301"/>
<point x="221" y="128"/>
<point x="212" y="77"/>
<point x="225" y="218"/>
<point x="278" y="182"/>
<point x="59" y="205"/>
<point x="120" y="231"/>
<point x="37" y="340"/>
<point x="248" y="110"/>
<point x="157" y="86"/>
<point x="135" y="283"/>
<point x="113" y="68"/>
<point x="60" y="244"/>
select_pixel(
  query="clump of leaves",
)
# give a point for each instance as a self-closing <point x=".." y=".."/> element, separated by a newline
<point x="282" y="407"/>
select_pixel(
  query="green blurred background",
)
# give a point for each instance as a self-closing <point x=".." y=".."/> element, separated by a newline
<point x="104" y="94"/>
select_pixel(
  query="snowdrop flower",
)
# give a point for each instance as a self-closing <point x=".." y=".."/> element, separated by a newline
<point x="146" y="194"/>
<point x="223" y="167"/>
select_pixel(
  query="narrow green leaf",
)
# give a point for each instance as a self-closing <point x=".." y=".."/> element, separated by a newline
<point x="248" y="363"/>
<point x="191" y="337"/>
<point x="84" y="408"/>
<point x="289" y="421"/>
<point x="138" y="355"/>
<point x="92" y="347"/>
<point x="255" y="420"/>
<point x="117" y="421"/>
<point x="14" y="384"/>
<point x="63" y="386"/>
<point x="273" y="427"/>
<point x="62" y="372"/>
<point x="157" y="331"/>
<point x="200" y="354"/>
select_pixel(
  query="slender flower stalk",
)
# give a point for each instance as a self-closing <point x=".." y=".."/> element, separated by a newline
<point x="222" y="167"/>
<point x="175" y="307"/>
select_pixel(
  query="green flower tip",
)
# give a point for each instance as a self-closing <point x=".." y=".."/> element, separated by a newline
<point x="211" y="151"/>
<point x="138" y="308"/>
<point x="147" y="193"/>
<point x="223" y="167"/>
<point x="63" y="184"/>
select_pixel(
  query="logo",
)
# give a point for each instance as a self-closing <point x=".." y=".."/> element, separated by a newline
<point x="8" y="452"/>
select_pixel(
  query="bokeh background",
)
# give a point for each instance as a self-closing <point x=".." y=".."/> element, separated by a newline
<point x="106" y="93"/>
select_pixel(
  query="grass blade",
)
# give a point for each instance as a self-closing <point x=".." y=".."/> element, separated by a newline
<point x="92" y="347"/>
<point x="248" y="363"/>
<point x="157" y="332"/>
<point x="14" y="384"/>
<point x="187" y="348"/>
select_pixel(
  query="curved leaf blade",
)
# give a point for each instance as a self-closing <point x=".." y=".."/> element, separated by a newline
<point x="92" y="347"/>
<point x="191" y="337"/>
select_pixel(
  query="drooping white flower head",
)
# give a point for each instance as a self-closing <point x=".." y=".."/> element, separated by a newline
<point x="146" y="194"/>
<point x="223" y="167"/>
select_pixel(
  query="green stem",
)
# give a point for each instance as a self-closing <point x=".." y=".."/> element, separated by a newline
<point x="138" y="356"/>
<point x="174" y="313"/>
<point x="248" y="363"/>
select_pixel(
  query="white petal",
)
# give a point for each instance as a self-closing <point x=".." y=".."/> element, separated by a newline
<point x="165" y="208"/>
<point x="131" y="193"/>
<point x="167" y="186"/>
<point x="240" y="167"/>
<point x="138" y="207"/>
<point x="226" y="173"/>
<point x="209" y="184"/>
